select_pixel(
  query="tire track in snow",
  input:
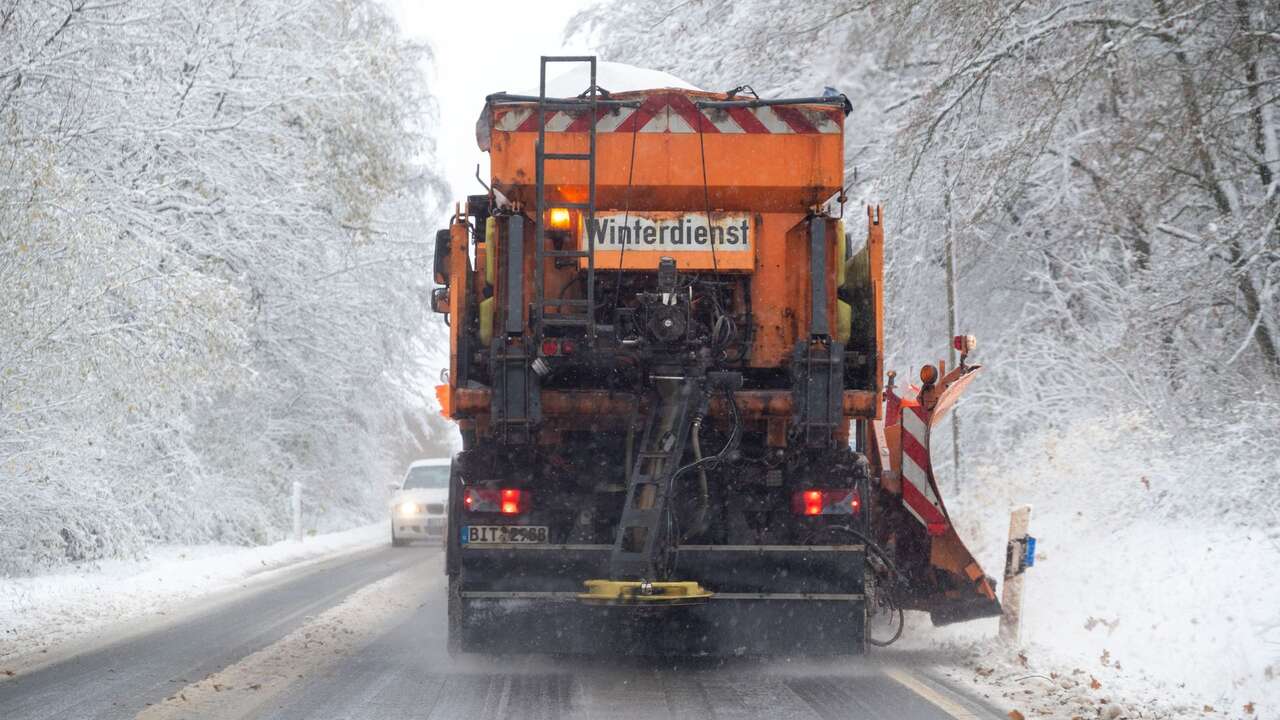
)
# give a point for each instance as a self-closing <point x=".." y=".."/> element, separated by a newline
<point x="247" y="687"/>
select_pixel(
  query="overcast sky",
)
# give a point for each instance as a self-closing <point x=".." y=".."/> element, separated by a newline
<point x="481" y="48"/>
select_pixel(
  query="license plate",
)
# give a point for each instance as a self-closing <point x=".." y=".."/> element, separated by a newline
<point x="503" y="534"/>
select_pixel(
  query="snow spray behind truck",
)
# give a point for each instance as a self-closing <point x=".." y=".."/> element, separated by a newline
<point x="666" y="367"/>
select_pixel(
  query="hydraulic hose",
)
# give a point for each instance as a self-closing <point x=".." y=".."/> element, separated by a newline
<point x="734" y="435"/>
<point x="893" y="570"/>
<point x="704" y="493"/>
<point x="700" y="463"/>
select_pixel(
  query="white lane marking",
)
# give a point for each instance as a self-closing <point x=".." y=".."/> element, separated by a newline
<point x="243" y="689"/>
<point x="944" y="703"/>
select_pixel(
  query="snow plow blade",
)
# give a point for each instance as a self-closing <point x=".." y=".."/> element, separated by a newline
<point x="938" y="573"/>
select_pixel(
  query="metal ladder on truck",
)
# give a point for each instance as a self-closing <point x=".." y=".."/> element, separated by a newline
<point x="517" y="407"/>
<point x="568" y="312"/>
<point x="640" y="559"/>
<point x="639" y="550"/>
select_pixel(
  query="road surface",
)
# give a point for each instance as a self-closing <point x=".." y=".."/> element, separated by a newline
<point x="363" y="636"/>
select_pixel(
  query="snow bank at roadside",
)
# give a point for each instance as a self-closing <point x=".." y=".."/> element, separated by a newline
<point x="1134" y="609"/>
<point x="38" y="612"/>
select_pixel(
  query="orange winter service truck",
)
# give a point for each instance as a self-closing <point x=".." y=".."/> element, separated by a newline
<point x="666" y="363"/>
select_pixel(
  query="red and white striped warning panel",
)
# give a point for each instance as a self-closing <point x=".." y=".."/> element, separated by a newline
<point x="676" y="113"/>
<point x="918" y="494"/>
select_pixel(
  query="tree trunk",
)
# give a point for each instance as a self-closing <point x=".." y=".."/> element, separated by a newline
<point x="1253" y="304"/>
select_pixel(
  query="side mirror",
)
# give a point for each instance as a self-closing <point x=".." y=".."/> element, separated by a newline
<point x="441" y="257"/>
<point x="440" y="300"/>
<point x="393" y="486"/>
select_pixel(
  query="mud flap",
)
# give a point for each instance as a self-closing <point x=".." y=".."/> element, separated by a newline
<point x="767" y="600"/>
<point x="719" y="627"/>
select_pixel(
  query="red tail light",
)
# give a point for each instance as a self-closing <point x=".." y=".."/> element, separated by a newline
<point x="550" y="347"/>
<point x="510" y="502"/>
<point x="812" y="502"/>
<point x="839" y="501"/>
<point x="507" y="501"/>
<point x="567" y="346"/>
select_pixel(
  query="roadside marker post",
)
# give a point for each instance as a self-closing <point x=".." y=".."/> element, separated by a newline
<point x="1020" y="554"/>
<point x="297" y="511"/>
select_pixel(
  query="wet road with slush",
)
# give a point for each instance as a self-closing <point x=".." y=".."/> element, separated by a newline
<point x="363" y="636"/>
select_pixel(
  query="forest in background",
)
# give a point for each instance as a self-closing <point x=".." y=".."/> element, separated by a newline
<point x="1102" y="177"/>
<point x="212" y="284"/>
<point x="212" y="240"/>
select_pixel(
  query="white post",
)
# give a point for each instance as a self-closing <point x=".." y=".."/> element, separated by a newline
<point x="297" y="511"/>
<point x="953" y="328"/>
<point x="1015" y="559"/>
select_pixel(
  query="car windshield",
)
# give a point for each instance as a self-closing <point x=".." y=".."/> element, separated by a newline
<point x="427" y="477"/>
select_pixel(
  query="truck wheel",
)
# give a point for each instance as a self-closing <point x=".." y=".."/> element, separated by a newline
<point x="395" y="541"/>
<point x="454" y="612"/>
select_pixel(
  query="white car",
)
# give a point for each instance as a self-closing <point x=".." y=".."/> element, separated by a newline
<point x="420" y="503"/>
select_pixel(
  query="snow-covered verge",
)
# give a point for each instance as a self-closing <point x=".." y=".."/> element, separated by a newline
<point x="1138" y="606"/>
<point x="37" y="613"/>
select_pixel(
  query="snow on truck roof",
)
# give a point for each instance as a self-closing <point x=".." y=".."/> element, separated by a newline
<point x="612" y="76"/>
<point x="646" y="94"/>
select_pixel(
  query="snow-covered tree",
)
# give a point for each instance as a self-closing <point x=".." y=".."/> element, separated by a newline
<point x="1105" y="170"/>
<point x="213" y="267"/>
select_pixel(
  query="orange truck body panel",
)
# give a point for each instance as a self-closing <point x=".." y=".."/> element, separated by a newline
<point x="755" y="172"/>
<point x="774" y="178"/>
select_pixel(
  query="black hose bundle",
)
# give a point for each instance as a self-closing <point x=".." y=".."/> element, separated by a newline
<point x="702" y="463"/>
<point x="893" y="571"/>
<point x="735" y="435"/>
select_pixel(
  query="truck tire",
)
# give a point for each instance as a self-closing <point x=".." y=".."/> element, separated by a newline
<point x="395" y="541"/>
<point x="453" y="642"/>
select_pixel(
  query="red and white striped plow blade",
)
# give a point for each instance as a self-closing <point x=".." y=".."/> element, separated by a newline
<point x="919" y="492"/>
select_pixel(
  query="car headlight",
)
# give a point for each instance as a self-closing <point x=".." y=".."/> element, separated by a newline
<point x="408" y="508"/>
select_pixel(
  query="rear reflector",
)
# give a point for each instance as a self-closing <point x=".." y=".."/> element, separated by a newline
<point x="839" y="501"/>
<point x="507" y="501"/>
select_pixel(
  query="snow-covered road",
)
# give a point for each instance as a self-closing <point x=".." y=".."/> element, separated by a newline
<point x="363" y="636"/>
